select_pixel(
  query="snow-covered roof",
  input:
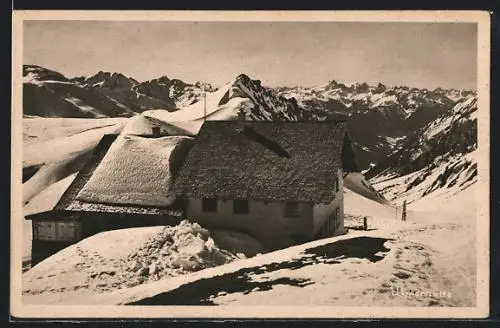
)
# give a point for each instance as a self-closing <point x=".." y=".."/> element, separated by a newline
<point x="98" y="197"/>
<point x="270" y="161"/>
<point x="136" y="171"/>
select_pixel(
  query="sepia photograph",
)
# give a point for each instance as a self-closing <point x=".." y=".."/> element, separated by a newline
<point x="250" y="164"/>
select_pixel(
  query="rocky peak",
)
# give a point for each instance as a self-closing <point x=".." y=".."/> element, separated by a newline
<point x="43" y="74"/>
<point x="110" y="81"/>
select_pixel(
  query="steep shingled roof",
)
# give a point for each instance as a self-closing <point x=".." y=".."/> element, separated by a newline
<point x="269" y="161"/>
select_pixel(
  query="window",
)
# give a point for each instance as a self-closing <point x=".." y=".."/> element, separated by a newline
<point x="66" y="231"/>
<point x="240" y="206"/>
<point x="291" y="209"/>
<point x="45" y="230"/>
<point x="209" y="205"/>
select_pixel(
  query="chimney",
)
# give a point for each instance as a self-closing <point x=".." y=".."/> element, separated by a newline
<point x="241" y="120"/>
<point x="156" y="131"/>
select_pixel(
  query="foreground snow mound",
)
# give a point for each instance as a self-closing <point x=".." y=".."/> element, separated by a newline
<point x="125" y="258"/>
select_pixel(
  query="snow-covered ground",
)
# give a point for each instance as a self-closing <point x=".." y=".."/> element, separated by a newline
<point x="393" y="263"/>
<point x="125" y="258"/>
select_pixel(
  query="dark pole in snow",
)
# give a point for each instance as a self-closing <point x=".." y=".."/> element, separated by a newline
<point x="204" y="103"/>
<point x="365" y="223"/>
<point x="404" y="210"/>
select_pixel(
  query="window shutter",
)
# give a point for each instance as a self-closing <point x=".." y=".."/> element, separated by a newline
<point x="209" y="205"/>
<point x="240" y="206"/>
<point x="291" y="209"/>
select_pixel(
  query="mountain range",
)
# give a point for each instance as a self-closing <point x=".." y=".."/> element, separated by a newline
<point x="396" y="130"/>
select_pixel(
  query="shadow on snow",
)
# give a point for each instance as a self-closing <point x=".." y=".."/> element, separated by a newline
<point x="202" y="292"/>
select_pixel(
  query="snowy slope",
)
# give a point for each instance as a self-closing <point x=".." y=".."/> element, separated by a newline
<point x="50" y="94"/>
<point x="440" y="157"/>
<point x="242" y="93"/>
<point x="61" y="148"/>
<point x="450" y="176"/>
<point x="361" y="268"/>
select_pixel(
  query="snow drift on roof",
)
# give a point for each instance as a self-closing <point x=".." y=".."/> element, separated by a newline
<point x="136" y="171"/>
<point x="142" y="125"/>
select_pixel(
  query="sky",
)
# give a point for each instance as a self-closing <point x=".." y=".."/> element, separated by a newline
<point x="423" y="55"/>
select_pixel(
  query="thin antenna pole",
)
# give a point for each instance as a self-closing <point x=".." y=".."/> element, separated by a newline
<point x="204" y="104"/>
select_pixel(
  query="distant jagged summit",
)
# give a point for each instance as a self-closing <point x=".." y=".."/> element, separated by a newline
<point x="265" y="103"/>
<point x="110" y="80"/>
<point x="48" y="93"/>
<point x="173" y="91"/>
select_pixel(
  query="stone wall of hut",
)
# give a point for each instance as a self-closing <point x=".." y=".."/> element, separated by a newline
<point x="266" y="221"/>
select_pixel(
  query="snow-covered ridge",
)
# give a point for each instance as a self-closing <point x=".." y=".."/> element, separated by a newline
<point x="363" y="96"/>
<point x="437" y="157"/>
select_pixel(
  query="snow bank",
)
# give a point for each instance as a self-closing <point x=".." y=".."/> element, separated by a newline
<point x="143" y="125"/>
<point x="125" y="258"/>
<point x="53" y="172"/>
<point x="237" y="242"/>
<point x="191" y="127"/>
<point x="48" y="198"/>
<point x="356" y="182"/>
<point x="379" y="215"/>
<point x="38" y="129"/>
<point x="137" y="171"/>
